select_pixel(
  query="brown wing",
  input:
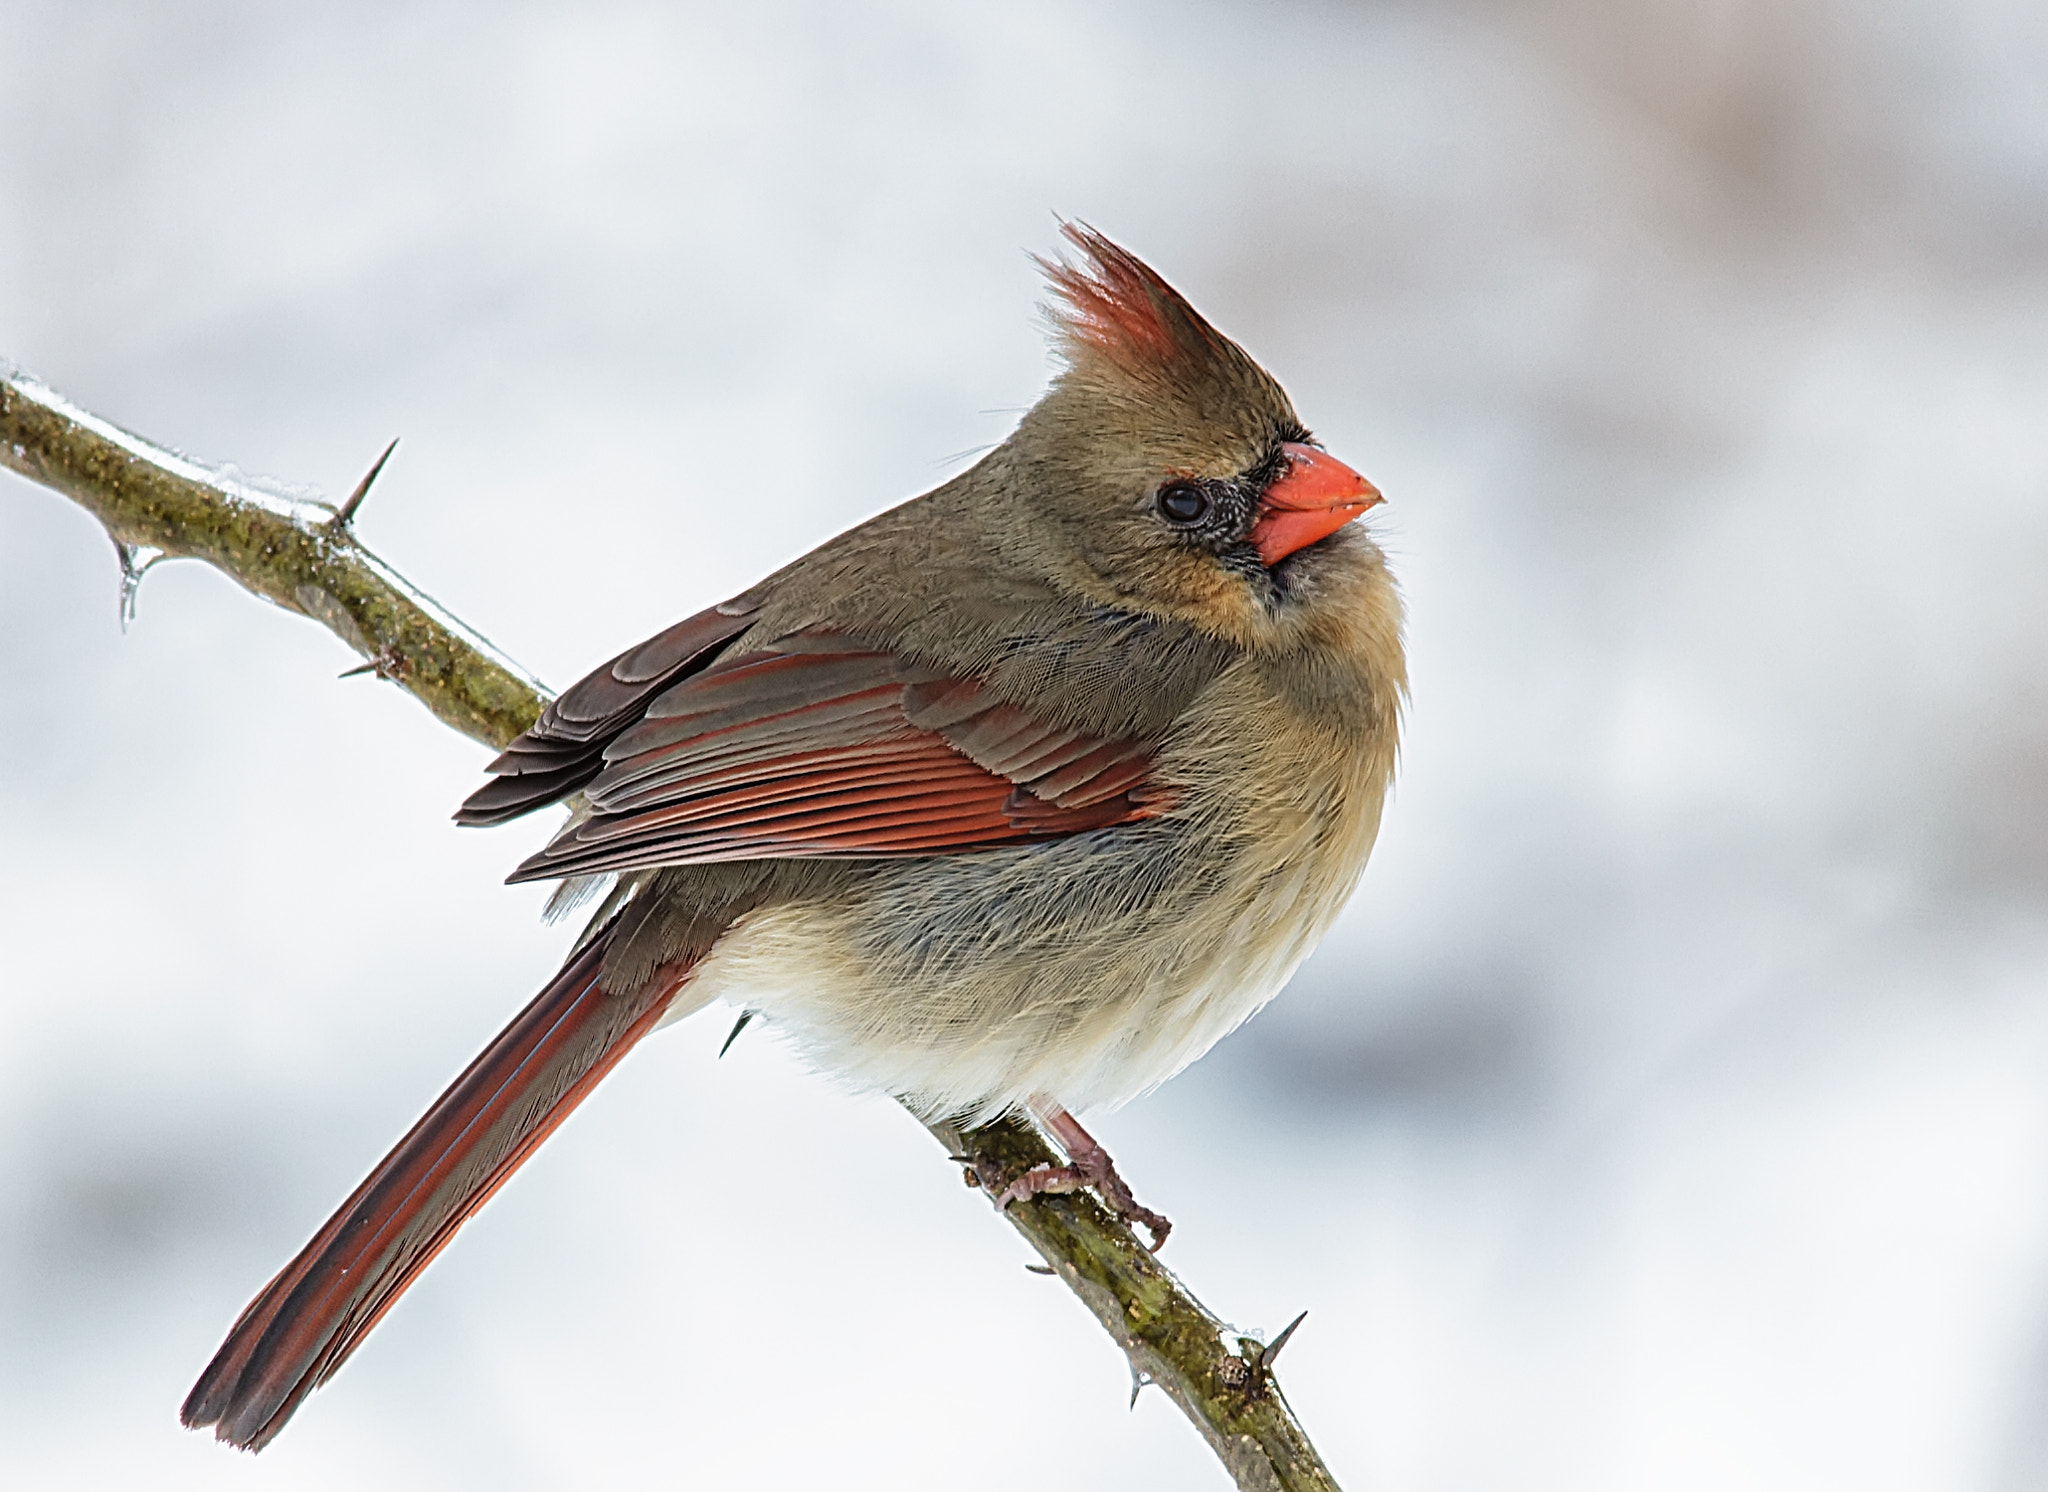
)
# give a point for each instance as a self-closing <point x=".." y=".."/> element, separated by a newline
<point x="565" y="747"/>
<point x="814" y="746"/>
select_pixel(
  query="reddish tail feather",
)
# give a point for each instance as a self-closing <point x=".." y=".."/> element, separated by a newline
<point x="294" y="1335"/>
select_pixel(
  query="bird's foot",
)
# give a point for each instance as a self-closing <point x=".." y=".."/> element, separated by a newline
<point x="1089" y="1166"/>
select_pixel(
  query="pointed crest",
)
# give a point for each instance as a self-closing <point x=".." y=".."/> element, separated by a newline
<point x="1112" y="303"/>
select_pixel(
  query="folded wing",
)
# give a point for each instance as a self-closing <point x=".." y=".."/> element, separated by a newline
<point x="813" y="745"/>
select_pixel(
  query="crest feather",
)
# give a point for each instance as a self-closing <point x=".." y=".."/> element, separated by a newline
<point x="1113" y="303"/>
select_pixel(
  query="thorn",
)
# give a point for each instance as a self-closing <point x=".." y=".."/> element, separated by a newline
<point x="1272" y="1349"/>
<point x="386" y="665"/>
<point x="1138" y="1382"/>
<point x="1040" y="1269"/>
<point x="347" y="510"/>
<point x="737" y="1027"/>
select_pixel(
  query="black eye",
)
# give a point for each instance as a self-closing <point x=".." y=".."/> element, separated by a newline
<point x="1183" y="502"/>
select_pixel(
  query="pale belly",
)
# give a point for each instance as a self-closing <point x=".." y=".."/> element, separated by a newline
<point x="1085" y="970"/>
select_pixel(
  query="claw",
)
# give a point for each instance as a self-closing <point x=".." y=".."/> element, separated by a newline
<point x="1091" y="1167"/>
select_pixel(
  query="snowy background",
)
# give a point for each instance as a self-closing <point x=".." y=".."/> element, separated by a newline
<point x="1669" y="1112"/>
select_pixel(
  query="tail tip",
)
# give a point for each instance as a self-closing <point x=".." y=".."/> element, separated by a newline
<point x="247" y="1425"/>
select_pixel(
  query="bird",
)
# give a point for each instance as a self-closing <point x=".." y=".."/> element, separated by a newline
<point x="1013" y="799"/>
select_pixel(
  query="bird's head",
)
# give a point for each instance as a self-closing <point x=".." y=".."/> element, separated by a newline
<point x="1167" y="471"/>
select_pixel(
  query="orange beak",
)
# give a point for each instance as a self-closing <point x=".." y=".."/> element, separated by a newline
<point x="1318" y="495"/>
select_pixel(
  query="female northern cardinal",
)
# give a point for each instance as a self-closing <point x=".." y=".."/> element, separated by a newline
<point x="1018" y="796"/>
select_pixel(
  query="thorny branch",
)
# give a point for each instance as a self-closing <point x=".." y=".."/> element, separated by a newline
<point x="303" y="555"/>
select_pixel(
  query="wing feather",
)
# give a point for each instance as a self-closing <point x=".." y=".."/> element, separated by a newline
<point x="564" y="749"/>
<point x="692" y="750"/>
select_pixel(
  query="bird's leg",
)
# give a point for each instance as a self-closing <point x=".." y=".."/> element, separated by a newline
<point x="1089" y="1165"/>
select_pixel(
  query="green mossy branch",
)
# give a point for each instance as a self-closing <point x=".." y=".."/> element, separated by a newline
<point x="1221" y="1381"/>
<point x="286" y="549"/>
<point x="302" y="555"/>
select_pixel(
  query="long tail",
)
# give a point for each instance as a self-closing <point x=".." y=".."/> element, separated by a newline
<point x="294" y="1335"/>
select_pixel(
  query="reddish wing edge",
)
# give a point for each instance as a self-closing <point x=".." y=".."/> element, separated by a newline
<point x="813" y="746"/>
<point x="303" y="1326"/>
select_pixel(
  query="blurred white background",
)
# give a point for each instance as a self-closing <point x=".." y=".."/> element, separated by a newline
<point x="1670" y="1111"/>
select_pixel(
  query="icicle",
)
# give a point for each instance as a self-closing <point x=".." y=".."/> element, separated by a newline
<point x="135" y="562"/>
